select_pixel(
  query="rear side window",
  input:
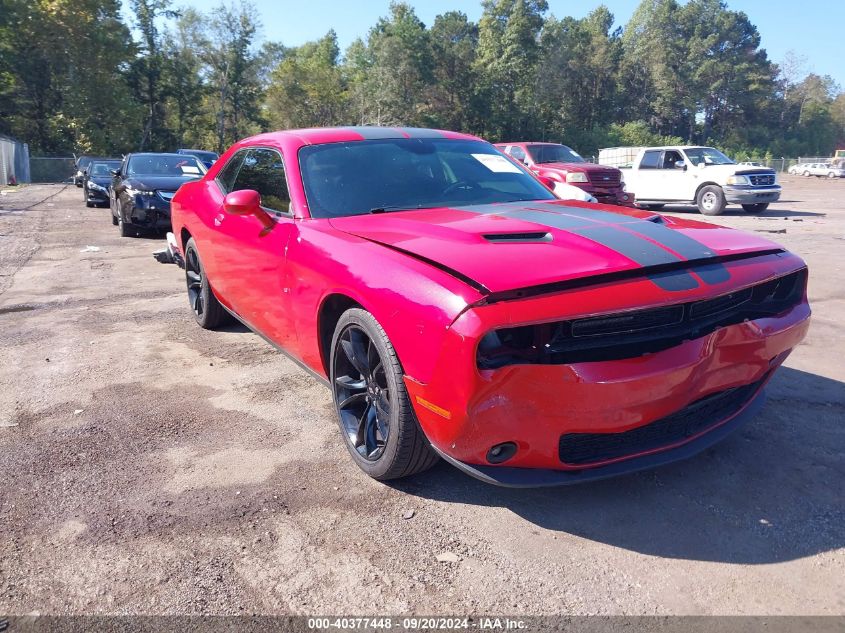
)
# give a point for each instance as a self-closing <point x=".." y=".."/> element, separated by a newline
<point x="651" y="160"/>
<point x="263" y="170"/>
<point x="226" y="176"/>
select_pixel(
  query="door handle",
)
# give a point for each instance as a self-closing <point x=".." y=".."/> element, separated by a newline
<point x="218" y="220"/>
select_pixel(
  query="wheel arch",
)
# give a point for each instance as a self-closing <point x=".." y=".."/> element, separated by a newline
<point x="328" y="314"/>
<point x="707" y="184"/>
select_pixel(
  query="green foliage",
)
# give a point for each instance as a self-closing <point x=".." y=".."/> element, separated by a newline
<point x="74" y="76"/>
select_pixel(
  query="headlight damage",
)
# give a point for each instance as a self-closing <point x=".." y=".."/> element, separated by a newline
<point x="637" y="332"/>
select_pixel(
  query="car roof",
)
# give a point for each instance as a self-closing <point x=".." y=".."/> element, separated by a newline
<point x="314" y="136"/>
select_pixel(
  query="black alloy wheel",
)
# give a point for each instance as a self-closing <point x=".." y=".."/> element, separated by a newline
<point x="208" y="311"/>
<point x="374" y="412"/>
<point x="362" y="392"/>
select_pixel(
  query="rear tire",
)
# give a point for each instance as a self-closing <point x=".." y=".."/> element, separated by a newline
<point x="831" y="175"/>
<point x="710" y="200"/>
<point x="208" y="312"/>
<point x="806" y="174"/>
<point x="755" y="208"/>
<point x="374" y="412"/>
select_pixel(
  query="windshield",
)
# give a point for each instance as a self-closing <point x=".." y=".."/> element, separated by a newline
<point x="554" y="154"/>
<point x="707" y="156"/>
<point x="359" y="177"/>
<point x="98" y="170"/>
<point x="164" y="165"/>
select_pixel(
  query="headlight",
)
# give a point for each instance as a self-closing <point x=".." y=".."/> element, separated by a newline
<point x="139" y="192"/>
<point x="577" y="176"/>
<point x="738" y="180"/>
<point x="95" y="187"/>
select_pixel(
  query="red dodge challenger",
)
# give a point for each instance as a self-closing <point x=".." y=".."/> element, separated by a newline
<point x="457" y="309"/>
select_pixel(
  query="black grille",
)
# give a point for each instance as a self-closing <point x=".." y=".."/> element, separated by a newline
<point x="762" y="179"/>
<point x="637" y="332"/>
<point x="581" y="449"/>
<point x="605" y="178"/>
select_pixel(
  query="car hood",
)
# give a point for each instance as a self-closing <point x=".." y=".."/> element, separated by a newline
<point x="501" y="247"/>
<point x="154" y="183"/>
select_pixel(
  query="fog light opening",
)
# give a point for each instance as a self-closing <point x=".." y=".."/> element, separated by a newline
<point x="501" y="452"/>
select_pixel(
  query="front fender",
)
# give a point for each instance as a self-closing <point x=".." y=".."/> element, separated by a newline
<point x="413" y="301"/>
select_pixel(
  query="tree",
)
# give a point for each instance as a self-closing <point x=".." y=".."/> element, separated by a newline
<point x="234" y="75"/>
<point x="146" y="72"/>
<point x="451" y="99"/>
<point x="182" y="80"/>
<point x="508" y="51"/>
<point x="307" y="88"/>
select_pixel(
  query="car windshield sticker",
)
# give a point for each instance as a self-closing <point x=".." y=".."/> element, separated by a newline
<point x="190" y="169"/>
<point x="497" y="163"/>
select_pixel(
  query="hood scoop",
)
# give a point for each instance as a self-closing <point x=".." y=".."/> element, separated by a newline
<point x="519" y="238"/>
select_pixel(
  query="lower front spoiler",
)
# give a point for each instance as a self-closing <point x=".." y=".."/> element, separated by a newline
<point x="540" y="477"/>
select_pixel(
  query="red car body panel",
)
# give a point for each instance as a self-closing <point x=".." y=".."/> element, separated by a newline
<point x="437" y="283"/>
<point x="605" y="183"/>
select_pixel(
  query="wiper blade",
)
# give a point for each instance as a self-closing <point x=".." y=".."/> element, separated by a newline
<point x="391" y="209"/>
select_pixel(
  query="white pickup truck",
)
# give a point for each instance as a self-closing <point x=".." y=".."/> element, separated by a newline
<point x="697" y="175"/>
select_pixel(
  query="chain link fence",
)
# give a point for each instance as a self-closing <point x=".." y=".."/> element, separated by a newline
<point x="14" y="161"/>
<point x="52" y="168"/>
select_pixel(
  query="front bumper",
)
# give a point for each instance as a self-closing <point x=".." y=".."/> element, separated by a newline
<point x="746" y="194"/>
<point x="465" y="411"/>
<point x="510" y="477"/>
<point x="150" y="212"/>
<point x="97" y="197"/>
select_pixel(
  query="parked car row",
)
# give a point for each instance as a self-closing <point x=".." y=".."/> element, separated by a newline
<point x="821" y="170"/>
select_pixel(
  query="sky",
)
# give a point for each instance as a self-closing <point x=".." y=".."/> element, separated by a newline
<point x="813" y="30"/>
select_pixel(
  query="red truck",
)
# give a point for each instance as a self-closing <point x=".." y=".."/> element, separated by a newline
<point x="561" y="163"/>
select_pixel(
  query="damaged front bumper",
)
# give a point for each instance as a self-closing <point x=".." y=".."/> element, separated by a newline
<point x="172" y="254"/>
<point x="567" y="423"/>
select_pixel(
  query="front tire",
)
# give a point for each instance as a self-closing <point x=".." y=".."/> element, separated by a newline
<point x="755" y="208"/>
<point x="123" y="228"/>
<point x="710" y="200"/>
<point x="373" y="409"/>
<point x="806" y="174"/>
<point x="208" y="312"/>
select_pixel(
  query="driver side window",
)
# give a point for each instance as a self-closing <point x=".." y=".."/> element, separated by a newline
<point x="264" y="171"/>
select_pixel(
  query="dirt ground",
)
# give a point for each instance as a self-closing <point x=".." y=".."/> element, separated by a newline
<point x="149" y="466"/>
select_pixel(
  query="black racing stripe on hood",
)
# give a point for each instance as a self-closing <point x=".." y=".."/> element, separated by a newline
<point x="613" y="230"/>
<point x="632" y="246"/>
<point x="647" y="254"/>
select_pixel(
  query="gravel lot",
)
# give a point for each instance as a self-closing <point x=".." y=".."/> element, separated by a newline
<point x="149" y="466"/>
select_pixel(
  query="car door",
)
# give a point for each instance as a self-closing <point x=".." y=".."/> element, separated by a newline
<point x="674" y="181"/>
<point x="248" y="259"/>
<point x="648" y="177"/>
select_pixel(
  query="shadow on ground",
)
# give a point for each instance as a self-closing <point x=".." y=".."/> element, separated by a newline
<point x="770" y="493"/>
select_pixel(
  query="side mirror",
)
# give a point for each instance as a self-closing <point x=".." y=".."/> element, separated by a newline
<point x="248" y="202"/>
<point x="114" y="172"/>
<point x="681" y="165"/>
<point x="547" y="181"/>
